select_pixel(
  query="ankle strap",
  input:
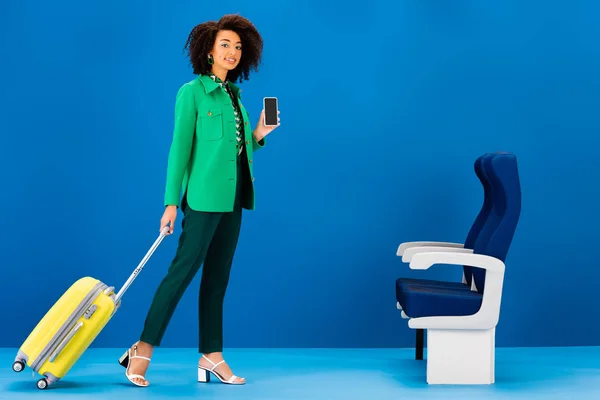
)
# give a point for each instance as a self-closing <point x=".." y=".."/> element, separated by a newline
<point x="210" y="361"/>
<point x="143" y="358"/>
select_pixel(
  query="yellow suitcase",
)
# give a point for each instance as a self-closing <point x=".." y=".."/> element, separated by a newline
<point x="71" y="325"/>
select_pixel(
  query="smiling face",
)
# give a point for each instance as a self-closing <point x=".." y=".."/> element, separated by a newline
<point x="226" y="52"/>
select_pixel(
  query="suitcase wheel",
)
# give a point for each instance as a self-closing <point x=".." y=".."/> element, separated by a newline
<point x="18" y="366"/>
<point x="42" y="384"/>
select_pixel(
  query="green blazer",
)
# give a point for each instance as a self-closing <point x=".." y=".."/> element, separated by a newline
<point x="202" y="157"/>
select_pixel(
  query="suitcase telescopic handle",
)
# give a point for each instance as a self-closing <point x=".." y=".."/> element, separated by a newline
<point x="140" y="266"/>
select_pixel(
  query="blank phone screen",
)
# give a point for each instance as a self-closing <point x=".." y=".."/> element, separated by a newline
<point x="271" y="111"/>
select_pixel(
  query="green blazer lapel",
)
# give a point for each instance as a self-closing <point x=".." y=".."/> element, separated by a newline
<point x="207" y="83"/>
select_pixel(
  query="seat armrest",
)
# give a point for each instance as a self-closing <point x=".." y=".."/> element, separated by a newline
<point x="411" y="251"/>
<point x="407" y="245"/>
<point x="488" y="315"/>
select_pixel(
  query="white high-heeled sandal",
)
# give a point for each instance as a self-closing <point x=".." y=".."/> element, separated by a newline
<point x="125" y="360"/>
<point x="204" y="373"/>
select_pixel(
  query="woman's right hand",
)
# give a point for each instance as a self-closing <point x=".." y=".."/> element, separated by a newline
<point x="168" y="218"/>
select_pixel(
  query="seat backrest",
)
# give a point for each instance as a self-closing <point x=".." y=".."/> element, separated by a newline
<point x="496" y="237"/>
<point x="484" y="213"/>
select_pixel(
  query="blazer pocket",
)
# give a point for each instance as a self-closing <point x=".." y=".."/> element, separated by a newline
<point x="211" y="124"/>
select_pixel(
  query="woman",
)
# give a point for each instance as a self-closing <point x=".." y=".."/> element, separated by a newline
<point x="210" y="162"/>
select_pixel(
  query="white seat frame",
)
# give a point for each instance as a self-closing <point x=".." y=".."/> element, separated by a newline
<point x="460" y="349"/>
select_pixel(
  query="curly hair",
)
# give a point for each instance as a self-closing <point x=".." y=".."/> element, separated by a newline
<point x="202" y="38"/>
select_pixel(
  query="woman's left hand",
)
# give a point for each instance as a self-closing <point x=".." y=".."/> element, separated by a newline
<point x="263" y="130"/>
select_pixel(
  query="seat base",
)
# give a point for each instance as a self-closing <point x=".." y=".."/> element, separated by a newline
<point x="461" y="357"/>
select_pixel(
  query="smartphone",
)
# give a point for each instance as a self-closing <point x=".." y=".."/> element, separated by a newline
<point x="270" y="106"/>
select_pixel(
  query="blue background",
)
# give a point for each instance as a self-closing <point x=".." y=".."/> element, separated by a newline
<point x="384" y="108"/>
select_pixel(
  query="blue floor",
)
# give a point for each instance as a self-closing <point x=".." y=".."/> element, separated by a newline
<point x="555" y="373"/>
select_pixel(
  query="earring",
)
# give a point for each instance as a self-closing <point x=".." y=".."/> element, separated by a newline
<point x="211" y="60"/>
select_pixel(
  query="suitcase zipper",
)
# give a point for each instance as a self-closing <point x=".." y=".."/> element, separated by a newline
<point x="67" y="326"/>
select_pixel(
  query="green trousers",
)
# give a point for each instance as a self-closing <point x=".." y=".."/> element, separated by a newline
<point x="208" y="239"/>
